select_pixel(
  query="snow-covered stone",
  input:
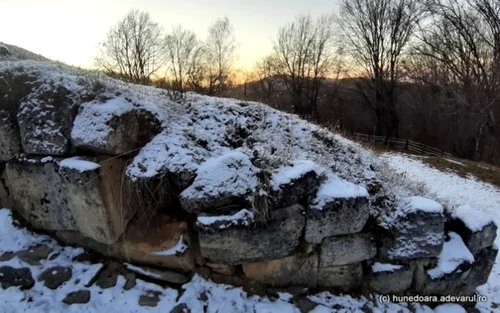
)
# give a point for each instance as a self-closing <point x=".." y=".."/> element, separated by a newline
<point x="389" y="278"/>
<point x="221" y="182"/>
<point x="39" y="194"/>
<point x="415" y="229"/>
<point x="347" y="249"/>
<point x="244" y="217"/>
<point x="345" y="276"/>
<point x="111" y="127"/>
<point x="291" y="183"/>
<point x="454" y="255"/>
<point x="97" y="198"/>
<point x="168" y="154"/>
<point x="295" y="270"/>
<point x="45" y="119"/>
<point x="334" y="215"/>
<point x="10" y="144"/>
<point x="238" y="243"/>
<point x="476" y="228"/>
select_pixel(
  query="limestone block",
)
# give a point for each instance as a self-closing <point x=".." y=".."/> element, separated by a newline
<point x="295" y="270"/>
<point x="389" y="278"/>
<point x="235" y="242"/>
<point x="337" y="217"/>
<point x="343" y="276"/>
<point x="10" y="144"/>
<point x="96" y="197"/>
<point x="347" y="249"/>
<point x="39" y="193"/>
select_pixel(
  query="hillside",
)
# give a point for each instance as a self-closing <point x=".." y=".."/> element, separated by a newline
<point x="219" y="186"/>
<point x="14" y="53"/>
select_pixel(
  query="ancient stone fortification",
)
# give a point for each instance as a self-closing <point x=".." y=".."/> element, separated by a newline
<point x="227" y="218"/>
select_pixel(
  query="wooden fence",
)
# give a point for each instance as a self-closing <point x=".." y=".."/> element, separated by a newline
<point x="405" y="144"/>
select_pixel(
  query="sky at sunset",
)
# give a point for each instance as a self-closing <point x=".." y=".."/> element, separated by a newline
<point x="70" y="30"/>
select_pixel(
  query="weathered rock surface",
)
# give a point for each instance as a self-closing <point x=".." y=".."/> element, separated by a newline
<point x="45" y="119"/>
<point x="96" y="197"/>
<point x="347" y="249"/>
<point x="77" y="297"/>
<point x="292" y="183"/>
<point x="163" y="242"/>
<point x="16" y="277"/>
<point x="238" y="243"/>
<point x="295" y="270"/>
<point x="54" y="277"/>
<point x="39" y="193"/>
<point x="343" y="276"/>
<point x="391" y="279"/>
<point x="10" y="143"/>
<point x="414" y="230"/>
<point x="112" y="127"/>
<point x="6" y="200"/>
<point x="164" y="275"/>
<point x="338" y="217"/>
<point x="221" y="183"/>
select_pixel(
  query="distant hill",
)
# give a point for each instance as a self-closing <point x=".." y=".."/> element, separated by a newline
<point x="14" y="53"/>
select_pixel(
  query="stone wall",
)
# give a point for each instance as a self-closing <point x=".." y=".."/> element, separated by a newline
<point x="310" y="232"/>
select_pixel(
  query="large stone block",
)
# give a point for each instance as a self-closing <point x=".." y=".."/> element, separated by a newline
<point x="112" y="127"/>
<point x="347" y="249"/>
<point x="39" y="193"/>
<point x="295" y="270"/>
<point x="389" y="278"/>
<point x="45" y="119"/>
<point x="476" y="228"/>
<point x="10" y="144"/>
<point x="96" y="197"/>
<point x="337" y="217"/>
<point x="228" y="241"/>
<point x="415" y="229"/>
<point x="6" y="200"/>
<point x="343" y="276"/>
<point x="221" y="183"/>
<point x="292" y="183"/>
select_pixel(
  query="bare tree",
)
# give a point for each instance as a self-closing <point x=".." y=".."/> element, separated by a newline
<point x="304" y="54"/>
<point x="462" y="42"/>
<point x="376" y="33"/>
<point x="183" y="53"/>
<point x="220" y="49"/>
<point x="133" y="48"/>
<point x="266" y="75"/>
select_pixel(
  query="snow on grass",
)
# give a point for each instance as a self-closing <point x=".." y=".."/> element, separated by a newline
<point x="474" y="219"/>
<point x="243" y="217"/>
<point x="385" y="267"/>
<point x="178" y="249"/>
<point x="231" y="173"/>
<point x="454" y="254"/>
<point x="335" y="188"/>
<point x="77" y="163"/>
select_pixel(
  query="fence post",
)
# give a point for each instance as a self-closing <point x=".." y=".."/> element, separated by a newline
<point x="407" y="143"/>
<point x="386" y="142"/>
<point x="423" y="149"/>
<point x="442" y="153"/>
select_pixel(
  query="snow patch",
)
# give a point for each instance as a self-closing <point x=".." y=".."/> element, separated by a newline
<point x="416" y="203"/>
<point x="178" y="249"/>
<point x="385" y="267"/>
<point x="454" y="254"/>
<point x="77" y="163"/>
<point x="231" y="173"/>
<point x="335" y="188"/>
<point x="243" y="217"/>
<point x="287" y="173"/>
<point x="474" y="219"/>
